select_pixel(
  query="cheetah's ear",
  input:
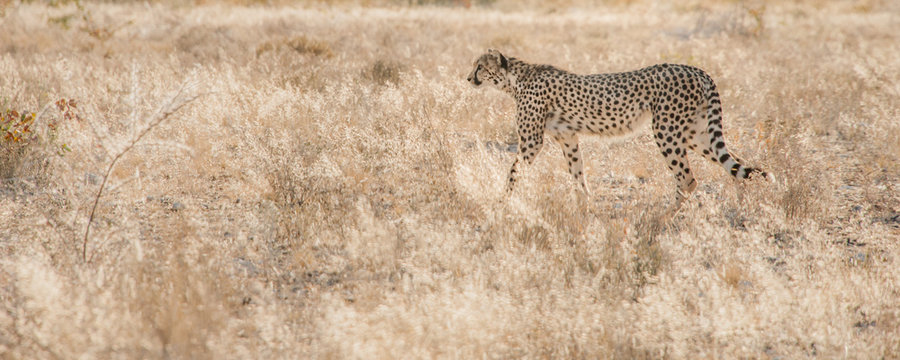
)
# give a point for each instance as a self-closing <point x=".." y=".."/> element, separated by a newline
<point x="504" y="63"/>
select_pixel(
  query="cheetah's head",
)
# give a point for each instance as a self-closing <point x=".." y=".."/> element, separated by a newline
<point x="492" y="68"/>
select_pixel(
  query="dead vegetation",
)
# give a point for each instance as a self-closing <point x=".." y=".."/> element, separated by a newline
<point x="337" y="193"/>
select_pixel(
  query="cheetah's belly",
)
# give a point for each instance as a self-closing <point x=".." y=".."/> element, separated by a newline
<point x="623" y="123"/>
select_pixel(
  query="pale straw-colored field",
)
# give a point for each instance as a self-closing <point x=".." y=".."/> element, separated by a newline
<point x="330" y="186"/>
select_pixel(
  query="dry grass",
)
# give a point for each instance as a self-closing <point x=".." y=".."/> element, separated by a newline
<point x="337" y="191"/>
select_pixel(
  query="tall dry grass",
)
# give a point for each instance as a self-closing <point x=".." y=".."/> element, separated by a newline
<point x="337" y="193"/>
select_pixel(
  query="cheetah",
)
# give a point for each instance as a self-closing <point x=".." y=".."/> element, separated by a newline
<point x="680" y="101"/>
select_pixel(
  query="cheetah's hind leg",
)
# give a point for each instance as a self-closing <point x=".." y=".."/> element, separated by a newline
<point x="674" y="151"/>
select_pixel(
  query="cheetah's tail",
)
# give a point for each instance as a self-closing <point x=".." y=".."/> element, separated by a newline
<point x="717" y="149"/>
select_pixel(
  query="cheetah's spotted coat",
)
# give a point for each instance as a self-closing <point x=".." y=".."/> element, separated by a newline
<point x="681" y="102"/>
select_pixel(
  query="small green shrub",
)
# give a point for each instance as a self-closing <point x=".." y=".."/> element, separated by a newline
<point x="21" y="136"/>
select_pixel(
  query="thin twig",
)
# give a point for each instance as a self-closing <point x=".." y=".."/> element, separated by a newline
<point x="183" y="96"/>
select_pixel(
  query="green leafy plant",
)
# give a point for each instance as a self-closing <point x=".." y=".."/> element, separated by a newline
<point x="21" y="133"/>
<point x="16" y="127"/>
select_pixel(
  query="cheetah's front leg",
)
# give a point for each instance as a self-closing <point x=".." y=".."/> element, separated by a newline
<point x="569" y="144"/>
<point x="527" y="151"/>
<point x="558" y="127"/>
<point x="531" y="139"/>
<point x="512" y="176"/>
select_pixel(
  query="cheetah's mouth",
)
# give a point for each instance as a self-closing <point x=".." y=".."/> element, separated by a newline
<point x="475" y="80"/>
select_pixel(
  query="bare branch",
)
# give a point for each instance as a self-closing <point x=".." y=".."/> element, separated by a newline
<point x="186" y="93"/>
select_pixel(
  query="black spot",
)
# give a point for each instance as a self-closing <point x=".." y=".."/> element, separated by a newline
<point x="724" y="158"/>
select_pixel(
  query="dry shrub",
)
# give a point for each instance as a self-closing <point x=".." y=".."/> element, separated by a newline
<point x="318" y="204"/>
<point x="649" y="257"/>
<point x="188" y="303"/>
<point x="383" y="72"/>
<point x="310" y="204"/>
<point x="534" y="237"/>
<point x="299" y="44"/>
<point x="175" y="298"/>
<point x="731" y="274"/>
<point x="801" y="199"/>
<point x="12" y="158"/>
<point x="744" y="20"/>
